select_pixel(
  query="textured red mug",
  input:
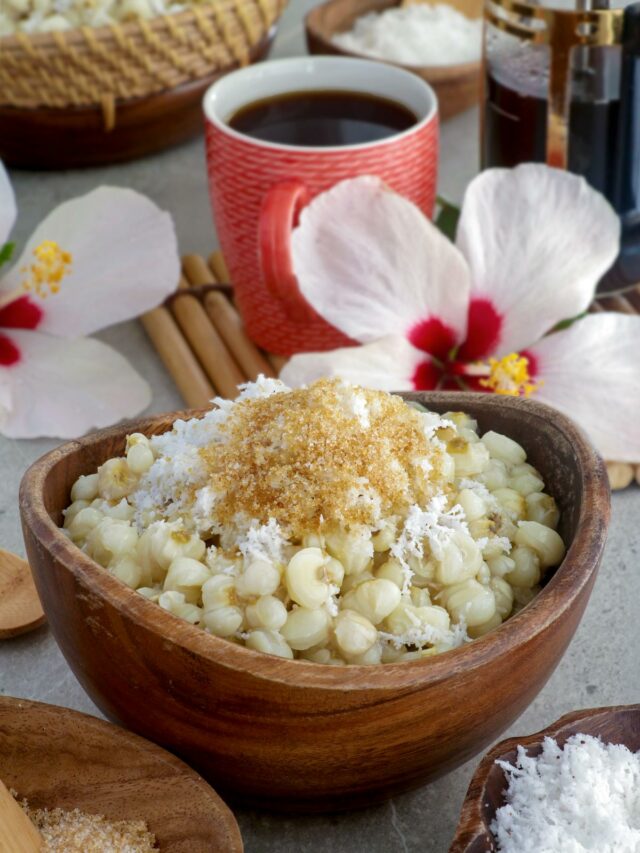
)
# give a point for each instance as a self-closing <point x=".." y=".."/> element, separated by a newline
<point x="258" y="188"/>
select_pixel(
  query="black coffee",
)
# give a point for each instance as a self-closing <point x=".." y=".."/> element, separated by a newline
<point x="322" y="118"/>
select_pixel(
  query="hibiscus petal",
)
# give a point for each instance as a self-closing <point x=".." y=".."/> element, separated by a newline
<point x="389" y="364"/>
<point x="591" y="372"/>
<point x="373" y="265"/>
<point x="63" y="388"/>
<point x="125" y="260"/>
<point x="7" y="205"/>
<point x="537" y="241"/>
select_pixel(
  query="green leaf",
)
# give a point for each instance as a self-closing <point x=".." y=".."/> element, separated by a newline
<point x="6" y="252"/>
<point x="447" y="218"/>
<point x="564" y="324"/>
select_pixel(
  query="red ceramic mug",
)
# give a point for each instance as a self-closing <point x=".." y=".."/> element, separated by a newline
<point x="257" y="188"/>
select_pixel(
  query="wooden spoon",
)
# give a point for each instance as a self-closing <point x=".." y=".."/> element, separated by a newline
<point x="20" y="608"/>
<point x="17" y="833"/>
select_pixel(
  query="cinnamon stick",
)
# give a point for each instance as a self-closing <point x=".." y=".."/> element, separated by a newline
<point x="182" y="366"/>
<point x="207" y="344"/>
<point x="228" y="324"/>
<point x="218" y="264"/>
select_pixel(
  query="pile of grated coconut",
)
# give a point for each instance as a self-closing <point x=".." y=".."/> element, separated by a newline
<point x="419" y="34"/>
<point x="583" y="798"/>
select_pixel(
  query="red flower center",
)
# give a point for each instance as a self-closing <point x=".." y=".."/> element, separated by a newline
<point x="446" y="370"/>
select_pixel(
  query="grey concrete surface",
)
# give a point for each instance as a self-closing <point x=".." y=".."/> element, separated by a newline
<point x="601" y="666"/>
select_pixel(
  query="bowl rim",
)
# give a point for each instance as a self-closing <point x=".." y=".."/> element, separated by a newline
<point x="438" y="73"/>
<point x="556" y="598"/>
<point x="472" y="826"/>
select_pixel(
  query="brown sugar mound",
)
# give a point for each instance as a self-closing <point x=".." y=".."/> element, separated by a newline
<point x="329" y="453"/>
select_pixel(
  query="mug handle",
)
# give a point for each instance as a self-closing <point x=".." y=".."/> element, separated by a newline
<point x="278" y="217"/>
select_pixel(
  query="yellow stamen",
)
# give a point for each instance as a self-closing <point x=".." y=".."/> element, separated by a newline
<point x="51" y="265"/>
<point x="510" y="375"/>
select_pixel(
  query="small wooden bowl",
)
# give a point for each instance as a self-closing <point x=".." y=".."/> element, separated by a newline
<point x="58" y="758"/>
<point x="614" y="725"/>
<point x="293" y="735"/>
<point x="457" y="86"/>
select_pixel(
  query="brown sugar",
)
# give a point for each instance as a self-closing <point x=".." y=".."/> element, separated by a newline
<point x="329" y="453"/>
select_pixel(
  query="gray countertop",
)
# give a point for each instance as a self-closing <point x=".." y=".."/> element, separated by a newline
<point x="601" y="666"/>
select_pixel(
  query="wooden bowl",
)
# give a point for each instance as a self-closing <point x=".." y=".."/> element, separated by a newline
<point x="457" y="86"/>
<point x="484" y="797"/>
<point x="58" y="758"/>
<point x="293" y="735"/>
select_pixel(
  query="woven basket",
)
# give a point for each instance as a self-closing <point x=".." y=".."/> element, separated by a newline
<point x="89" y="67"/>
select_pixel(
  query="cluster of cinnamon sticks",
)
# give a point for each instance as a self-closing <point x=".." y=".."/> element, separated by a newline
<point x="200" y="338"/>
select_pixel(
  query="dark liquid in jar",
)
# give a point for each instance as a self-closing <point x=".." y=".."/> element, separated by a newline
<point x="515" y="132"/>
<point x="322" y="118"/>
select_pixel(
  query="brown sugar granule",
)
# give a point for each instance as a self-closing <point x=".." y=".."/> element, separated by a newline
<point x="77" y="832"/>
<point x="329" y="453"/>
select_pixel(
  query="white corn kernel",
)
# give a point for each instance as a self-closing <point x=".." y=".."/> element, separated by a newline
<point x="495" y="475"/>
<point x="354" y="549"/>
<point x="480" y="630"/>
<point x="260" y="577"/>
<point x="390" y="654"/>
<point x="504" y="596"/>
<point x="419" y="597"/>
<point x="187" y="576"/>
<point x="115" y="479"/>
<point x="511" y="502"/>
<point x="71" y="511"/>
<point x="139" y="458"/>
<point x="150" y="592"/>
<point x="305" y="628"/>
<point x="317" y="656"/>
<point x="218" y="591"/>
<point x="84" y="522"/>
<point x="85" y="488"/>
<point x="370" y="657"/>
<point x="500" y="565"/>
<point x="392" y="571"/>
<point x="127" y="570"/>
<point x="353" y="581"/>
<point x="269" y="642"/>
<point x="334" y="572"/>
<point x="471" y="461"/>
<point x="170" y="541"/>
<point x="483" y="575"/>
<point x="121" y="511"/>
<point x="304" y="578"/>
<point x="543" y="509"/>
<point x="462" y="420"/>
<point x="504" y="448"/>
<point x="472" y="504"/>
<point x="171" y="600"/>
<point x="267" y="612"/>
<point x="544" y="541"/>
<point x="526" y="483"/>
<point x="223" y="621"/>
<point x="384" y="538"/>
<point x="461" y="559"/>
<point x="374" y="599"/>
<point x="354" y="634"/>
<point x="407" y="617"/>
<point x="313" y="540"/>
<point x="526" y="571"/>
<point x="469" y="601"/>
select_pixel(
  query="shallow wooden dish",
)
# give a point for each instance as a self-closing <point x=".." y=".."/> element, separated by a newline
<point x="457" y="86"/>
<point x="58" y="758"/>
<point x="293" y="735"/>
<point x="619" y="724"/>
<point x="76" y="137"/>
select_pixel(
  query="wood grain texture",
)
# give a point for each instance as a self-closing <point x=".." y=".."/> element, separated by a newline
<point x="619" y="724"/>
<point x="75" y="137"/>
<point x="293" y="735"/>
<point x="457" y="86"/>
<point x="58" y="758"/>
<point x="20" y="608"/>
